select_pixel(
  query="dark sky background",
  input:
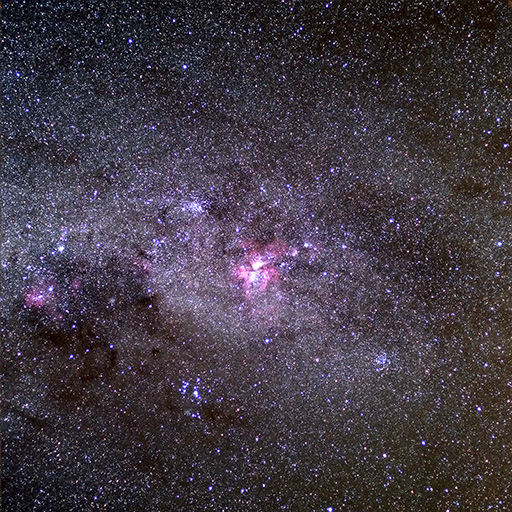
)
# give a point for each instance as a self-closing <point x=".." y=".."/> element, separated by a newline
<point x="257" y="256"/>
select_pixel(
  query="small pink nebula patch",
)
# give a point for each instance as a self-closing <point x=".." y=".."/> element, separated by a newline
<point x="41" y="295"/>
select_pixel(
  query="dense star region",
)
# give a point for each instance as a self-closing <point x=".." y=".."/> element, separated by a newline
<point x="256" y="257"/>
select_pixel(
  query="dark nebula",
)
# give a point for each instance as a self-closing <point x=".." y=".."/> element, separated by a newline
<point x="256" y="256"/>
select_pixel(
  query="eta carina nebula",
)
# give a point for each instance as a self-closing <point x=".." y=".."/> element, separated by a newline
<point x="260" y="265"/>
<point x="268" y="275"/>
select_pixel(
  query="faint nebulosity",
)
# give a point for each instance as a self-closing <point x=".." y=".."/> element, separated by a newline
<point x="256" y="256"/>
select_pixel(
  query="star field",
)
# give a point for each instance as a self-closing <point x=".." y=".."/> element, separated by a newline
<point x="256" y="256"/>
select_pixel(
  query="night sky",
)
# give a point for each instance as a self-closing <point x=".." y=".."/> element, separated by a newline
<point x="256" y="256"/>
